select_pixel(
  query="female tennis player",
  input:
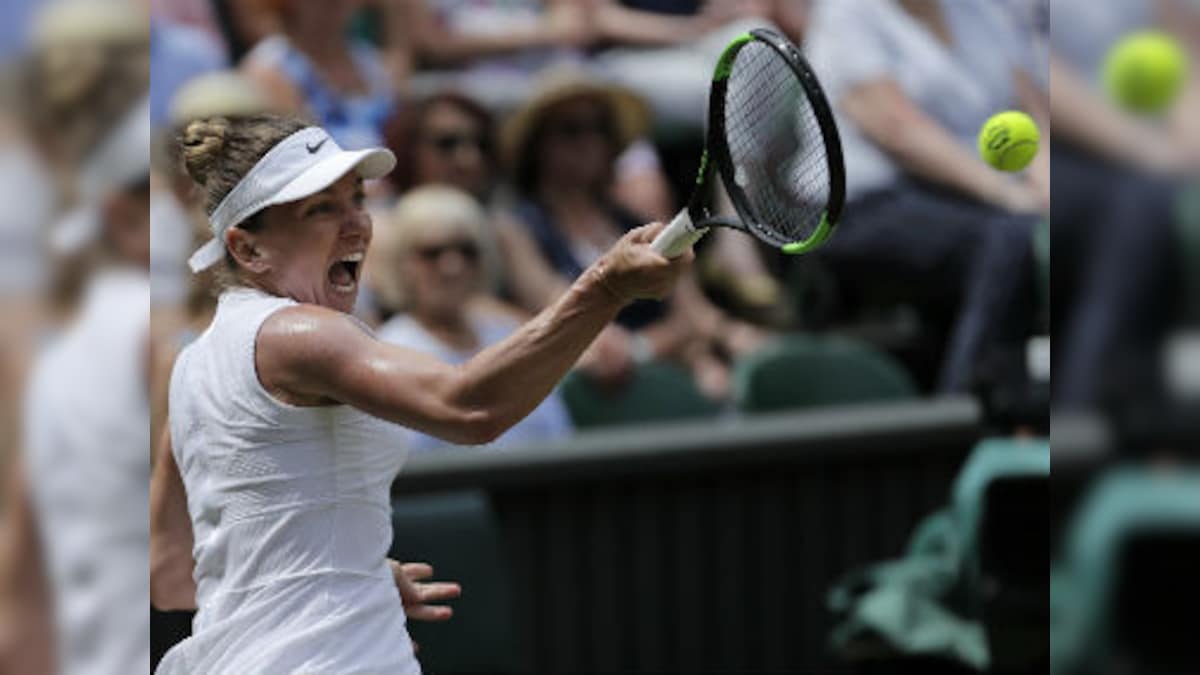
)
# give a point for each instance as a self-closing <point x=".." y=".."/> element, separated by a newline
<point x="286" y="417"/>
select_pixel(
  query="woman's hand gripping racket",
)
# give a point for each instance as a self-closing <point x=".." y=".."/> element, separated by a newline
<point x="773" y="140"/>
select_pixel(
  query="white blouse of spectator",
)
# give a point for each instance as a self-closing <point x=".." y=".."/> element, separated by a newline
<point x="853" y="42"/>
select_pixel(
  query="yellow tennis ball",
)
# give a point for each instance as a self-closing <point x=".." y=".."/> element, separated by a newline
<point x="1009" y="140"/>
<point x="1145" y="71"/>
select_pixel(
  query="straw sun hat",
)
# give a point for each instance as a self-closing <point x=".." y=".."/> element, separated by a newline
<point x="631" y="117"/>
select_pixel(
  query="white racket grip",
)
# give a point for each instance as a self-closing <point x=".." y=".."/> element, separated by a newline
<point x="678" y="236"/>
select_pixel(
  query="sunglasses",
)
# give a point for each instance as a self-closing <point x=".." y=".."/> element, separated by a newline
<point x="449" y="143"/>
<point x="467" y="249"/>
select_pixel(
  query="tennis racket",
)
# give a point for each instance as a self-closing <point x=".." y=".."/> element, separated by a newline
<point x="773" y="141"/>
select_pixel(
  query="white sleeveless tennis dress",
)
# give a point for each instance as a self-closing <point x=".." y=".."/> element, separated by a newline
<point x="291" y="516"/>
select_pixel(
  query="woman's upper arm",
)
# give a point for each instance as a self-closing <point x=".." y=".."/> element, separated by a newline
<point x="313" y="352"/>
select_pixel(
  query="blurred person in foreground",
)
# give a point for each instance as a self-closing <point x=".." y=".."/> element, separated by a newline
<point x="28" y="190"/>
<point x="1118" y="177"/>
<point x="562" y="146"/>
<point x="428" y="263"/>
<point x="84" y="67"/>
<point x="912" y="82"/>
<point x="72" y="590"/>
<point x="285" y="429"/>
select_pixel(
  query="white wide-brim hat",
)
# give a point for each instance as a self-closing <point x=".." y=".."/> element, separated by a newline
<point x="299" y="166"/>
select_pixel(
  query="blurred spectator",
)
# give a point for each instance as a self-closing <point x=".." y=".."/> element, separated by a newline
<point x="1116" y="183"/>
<point x="912" y="88"/>
<point x="445" y="138"/>
<point x="428" y="255"/>
<point x="313" y="66"/>
<point x="561" y="147"/>
<point x="86" y="64"/>
<point x="14" y="30"/>
<point x="242" y="24"/>
<point x="493" y="52"/>
<point x="77" y="546"/>
<point x="665" y="49"/>
<point x="179" y="53"/>
<point x="449" y="139"/>
<point x="491" y="48"/>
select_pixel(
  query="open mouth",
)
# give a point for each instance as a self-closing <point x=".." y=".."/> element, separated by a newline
<point x="343" y="274"/>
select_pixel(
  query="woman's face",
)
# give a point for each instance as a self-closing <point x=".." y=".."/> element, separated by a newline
<point x="441" y="271"/>
<point x="577" y="143"/>
<point x="450" y="150"/>
<point x="311" y="250"/>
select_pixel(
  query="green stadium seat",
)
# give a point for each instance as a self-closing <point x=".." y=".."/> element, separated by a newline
<point x="1001" y="504"/>
<point x="965" y="592"/>
<point x="1126" y="586"/>
<point x="805" y="371"/>
<point x="458" y="534"/>
<point x="657" y="392"/>
<point x="994" y="464"/>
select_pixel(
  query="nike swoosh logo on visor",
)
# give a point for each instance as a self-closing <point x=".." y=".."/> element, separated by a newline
<point x="312" y="149"/>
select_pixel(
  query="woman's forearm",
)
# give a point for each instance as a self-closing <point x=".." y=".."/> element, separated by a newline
<point x="318" y="354"/>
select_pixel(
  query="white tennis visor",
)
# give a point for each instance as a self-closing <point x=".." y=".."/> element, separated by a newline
<point x="299" y="166"/>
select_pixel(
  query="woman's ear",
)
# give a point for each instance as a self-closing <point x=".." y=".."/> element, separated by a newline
<point x="244" y="249"/>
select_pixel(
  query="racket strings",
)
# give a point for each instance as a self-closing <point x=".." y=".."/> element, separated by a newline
<point x="776" y="146"/>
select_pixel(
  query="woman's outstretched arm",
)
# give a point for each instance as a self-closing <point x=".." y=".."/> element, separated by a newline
<point x="311" y="352"/>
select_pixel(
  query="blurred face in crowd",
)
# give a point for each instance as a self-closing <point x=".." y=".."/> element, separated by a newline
<point x="577" y="143"/>
<point x="311" y="249"/>
<point x="451" y="149"/>
<point x="440" y="270"/>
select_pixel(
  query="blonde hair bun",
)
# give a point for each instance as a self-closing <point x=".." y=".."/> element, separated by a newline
<point x="203" y="141"/>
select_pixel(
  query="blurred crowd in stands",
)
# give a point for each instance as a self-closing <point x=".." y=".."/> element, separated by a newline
<point x="568" y="122"/>
<point x="532" y="133"/>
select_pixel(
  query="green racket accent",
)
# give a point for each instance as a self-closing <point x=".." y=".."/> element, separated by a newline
<point x="703" y="166"/>
<point x="818" y="237"/>
<point x="725" y="64"/>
